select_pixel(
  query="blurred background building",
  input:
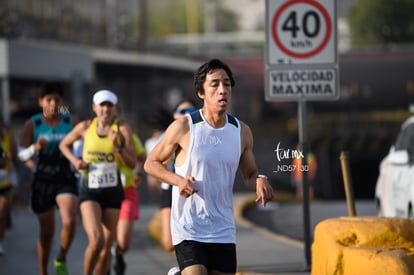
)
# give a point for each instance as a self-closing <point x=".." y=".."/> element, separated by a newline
<point x="146" y="51"/>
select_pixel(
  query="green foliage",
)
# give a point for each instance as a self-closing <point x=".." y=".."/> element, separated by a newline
<point x="376" y="22"/>
<point x="226" y="20"/>
<point x="170" y="17"/>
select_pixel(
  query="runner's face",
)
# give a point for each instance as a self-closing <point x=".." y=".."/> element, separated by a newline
<point x="217" y="90"/>
<point x="105" y="111"/>
<point x="51" y="104"/>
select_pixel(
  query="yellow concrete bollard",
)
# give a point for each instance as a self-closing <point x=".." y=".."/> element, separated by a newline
<point x="363" y="245"/>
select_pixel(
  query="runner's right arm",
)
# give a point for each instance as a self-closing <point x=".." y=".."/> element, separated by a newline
<point x="65" y="145"/>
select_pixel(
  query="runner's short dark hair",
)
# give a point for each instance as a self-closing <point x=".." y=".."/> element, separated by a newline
<point x="52" y="88"/>
<point x="203" y="70"/>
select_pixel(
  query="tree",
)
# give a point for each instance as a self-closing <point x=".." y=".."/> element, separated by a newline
<point x="378" y="22"/>
<point x="226" y="20"/>
<point x="169" y="17"/>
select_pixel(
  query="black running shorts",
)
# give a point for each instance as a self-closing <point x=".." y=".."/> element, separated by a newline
<point x="166" y="197"/>
<point x="110" y="197"/>
<point x="45" y="191"/>
<point x="214" y="256"/>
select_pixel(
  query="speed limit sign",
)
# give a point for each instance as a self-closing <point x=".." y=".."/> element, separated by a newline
<point x="301" y="50"/>
<point x="301" y="31"/>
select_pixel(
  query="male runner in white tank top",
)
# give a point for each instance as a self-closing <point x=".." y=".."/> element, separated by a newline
<point x="210" y="145"/>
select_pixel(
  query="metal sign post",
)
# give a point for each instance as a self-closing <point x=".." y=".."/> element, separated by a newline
<point x="303" y="137"/>
<point x="301" y="65"/>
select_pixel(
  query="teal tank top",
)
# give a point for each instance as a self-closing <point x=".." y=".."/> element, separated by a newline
<point x="51" y="162"/>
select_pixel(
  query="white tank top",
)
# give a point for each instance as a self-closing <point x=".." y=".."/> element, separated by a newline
<point x="212" y="159"/>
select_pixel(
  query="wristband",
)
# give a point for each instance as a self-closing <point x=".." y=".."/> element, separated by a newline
<point x="262" y="176"/>
<point x="26" y="153"/>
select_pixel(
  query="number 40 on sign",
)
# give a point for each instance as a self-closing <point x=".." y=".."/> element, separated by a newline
<point x="301" y="31"/>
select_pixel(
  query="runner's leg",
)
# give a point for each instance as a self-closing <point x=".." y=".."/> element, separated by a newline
<point x="68" y="204"/>
<point x="44" y="243"/>
<point x="109" y="220"/>
<point x="4" y="212"/>
<point x="91" y="219"/>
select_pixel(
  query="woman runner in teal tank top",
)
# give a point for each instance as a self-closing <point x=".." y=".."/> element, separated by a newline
<point x="54" y="183"/>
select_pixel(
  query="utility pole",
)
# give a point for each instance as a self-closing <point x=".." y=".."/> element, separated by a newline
<point x="143" y="26"/>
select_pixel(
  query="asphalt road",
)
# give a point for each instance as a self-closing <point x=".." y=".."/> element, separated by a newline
<point x="144" y="258"/>
<point x="257" y="252"/>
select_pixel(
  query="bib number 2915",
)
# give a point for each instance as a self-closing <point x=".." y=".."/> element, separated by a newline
<point x="102" y="175"/>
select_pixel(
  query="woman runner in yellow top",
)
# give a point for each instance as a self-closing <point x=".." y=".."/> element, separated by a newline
<point x="108" y="144"/>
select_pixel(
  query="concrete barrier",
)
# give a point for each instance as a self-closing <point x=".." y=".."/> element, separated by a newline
<point x="363" y="245"/>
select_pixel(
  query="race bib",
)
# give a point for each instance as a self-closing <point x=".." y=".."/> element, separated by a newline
<point x="102" y="175"/>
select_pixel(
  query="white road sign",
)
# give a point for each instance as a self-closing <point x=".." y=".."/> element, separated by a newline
<point x="301" y="31"/>
<point x="301" y="50"/>
<point x="302" y="84"/>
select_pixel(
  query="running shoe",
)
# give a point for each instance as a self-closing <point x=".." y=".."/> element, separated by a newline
<point x="61" y="268"/>
<point x="119" y="264"/>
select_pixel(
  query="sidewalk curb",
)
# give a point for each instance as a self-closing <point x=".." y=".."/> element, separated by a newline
<point x="249" y="201"/>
